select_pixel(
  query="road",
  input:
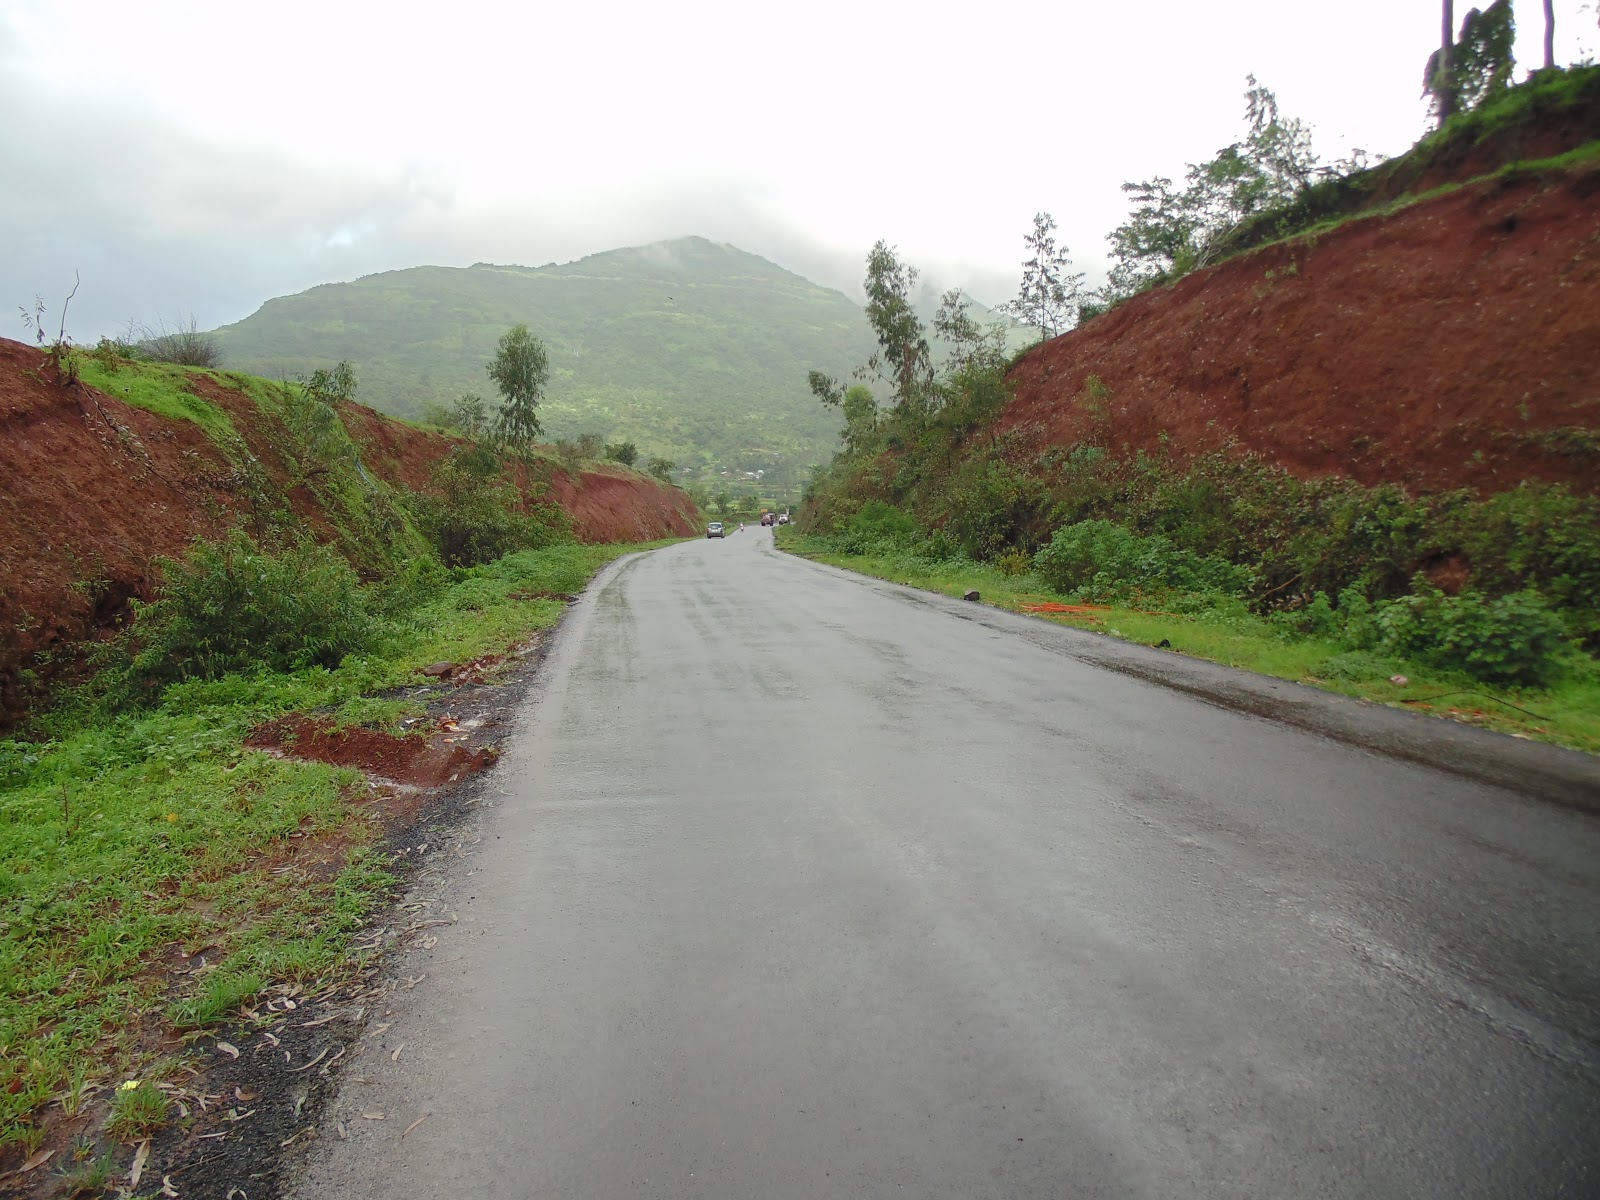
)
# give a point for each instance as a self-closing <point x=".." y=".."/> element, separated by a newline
<point x="804" y="885"/>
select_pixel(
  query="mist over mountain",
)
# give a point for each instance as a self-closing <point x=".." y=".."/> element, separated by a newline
<point x="696" y="351"/>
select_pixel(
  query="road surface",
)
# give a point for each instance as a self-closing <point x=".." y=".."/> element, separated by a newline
<point x="803" y="885"/>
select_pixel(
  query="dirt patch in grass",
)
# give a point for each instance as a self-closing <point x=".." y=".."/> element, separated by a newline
<point x="442" y="756"/>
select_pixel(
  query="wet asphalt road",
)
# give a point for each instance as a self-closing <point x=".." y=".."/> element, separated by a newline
<point x="801" y="885"/>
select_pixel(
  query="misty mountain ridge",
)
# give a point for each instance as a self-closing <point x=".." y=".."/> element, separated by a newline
<point x="693" y="349"/>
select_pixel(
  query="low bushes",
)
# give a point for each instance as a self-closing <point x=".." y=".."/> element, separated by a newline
<point x="470" y="513"/>
<point x="1100" y="560"/>
<point x="228" y="606"/>
<point x="1515" y="640"/>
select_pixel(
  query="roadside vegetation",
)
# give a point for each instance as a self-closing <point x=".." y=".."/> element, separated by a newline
<point x="1485" y="606"/>
<point x="156" y="872"/>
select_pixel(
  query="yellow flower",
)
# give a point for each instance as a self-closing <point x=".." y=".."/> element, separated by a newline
<point x="172" y="816"/>
<point x="127" y="1085"/>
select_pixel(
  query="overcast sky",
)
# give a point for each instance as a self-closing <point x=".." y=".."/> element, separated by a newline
<point x="203" y="157"/>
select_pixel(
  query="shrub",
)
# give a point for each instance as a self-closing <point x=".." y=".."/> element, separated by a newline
<point x="877" y="527"/>
<point x="1514" y="640"/>
<point x="469" y="514"/>
<point x="183" y="343"/>
<point x="625" y="453"/>
<point x="1013" y="562"/>
<point x="228" y="606"/>
<point x="993" y="505"/>
<point x="1106" y="561"/>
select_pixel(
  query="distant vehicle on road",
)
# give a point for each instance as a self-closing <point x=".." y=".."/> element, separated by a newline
<point x="767" y="518"/>
<point x="783" y="518"/>
<point x="714" y="529"/>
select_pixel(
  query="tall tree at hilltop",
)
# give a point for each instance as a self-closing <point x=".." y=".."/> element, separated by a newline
<point x="521" y="369"/>
<point x="1438" y="80"/>
<point x="1050" y="292"/>
<point x="1465" y="72"/>
<point x="903" y="359"/>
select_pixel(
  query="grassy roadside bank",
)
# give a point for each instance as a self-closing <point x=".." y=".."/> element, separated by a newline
<point x="144" y="893"/>
<point x="1565" y="714"/>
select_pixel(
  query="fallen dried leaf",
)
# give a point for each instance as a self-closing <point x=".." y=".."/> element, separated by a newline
<point x="344" y="1134"/>
<point x="233" y="1114"/>
<point x="395" y="1057"/>
<point x="166" y="1186"/>
<point x="415" y="1123"/>
<point x="333" y="1016"/>
<point x="140" y="1157"/>
<point x="35" y="1160"/>
<point x="230" y="1050"/>
<point x="244" y="1094"/>
<point x="374" y="1116"/>
<point x="321" y="1054"/>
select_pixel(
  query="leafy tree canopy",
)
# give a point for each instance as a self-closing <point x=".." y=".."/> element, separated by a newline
<point x="520" y="367"/>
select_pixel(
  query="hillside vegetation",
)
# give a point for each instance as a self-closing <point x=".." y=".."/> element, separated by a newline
<point x="218" y="596"/>
<point x="135" y="460"/>
<point x="1364" y="456"/>
<point x="695" y="351"/>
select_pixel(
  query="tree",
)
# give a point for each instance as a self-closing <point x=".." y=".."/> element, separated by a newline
<point x="968" y="340"/>
<point x="860" y="430"/>
<point x="1157" y="240"/>
<point x="470" y="415"/>
<point x="625" y="453"/>
<point x="1438" y="80"/>
<point x="825" y="388"/>
<point x="722" y="502"/>
<point x="1463" y="74"/>
<point x="1484" y="56"/>
<point x="903" y="359"/>
<point x="661" y="468"/>
<point x="520" y="368"/>
<point x="1171" y="232"/>
<point x="1050" y="292"/>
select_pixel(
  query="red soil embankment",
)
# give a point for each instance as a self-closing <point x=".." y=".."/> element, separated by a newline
<point x="92" y="489"/>
<point x="1455" y="343"/>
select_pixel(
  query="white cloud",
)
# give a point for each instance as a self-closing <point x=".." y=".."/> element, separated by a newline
<point x="196" y="156"/>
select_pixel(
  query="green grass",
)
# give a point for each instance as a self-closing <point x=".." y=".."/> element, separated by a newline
<point x="163" y="389"/>
<point x="126" y="843"/>
<point x="1569" y="713"/>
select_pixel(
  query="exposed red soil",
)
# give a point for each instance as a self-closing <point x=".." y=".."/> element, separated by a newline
<point x="1455" y="343"/>
<point x="92" y="489"/>
<point x="608" y="507"/>
<point x="422" y="760"/>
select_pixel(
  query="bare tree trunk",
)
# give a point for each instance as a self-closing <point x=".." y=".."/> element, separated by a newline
<point x="1549" y="34"/>
<point x="1446" y="77"/>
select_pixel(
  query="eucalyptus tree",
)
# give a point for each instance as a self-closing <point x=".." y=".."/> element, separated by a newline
<point x="1051" y="292"/>
<point x="520" y="368"/>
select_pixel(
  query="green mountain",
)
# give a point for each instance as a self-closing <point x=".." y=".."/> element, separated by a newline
<point x="694" y="350"/>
